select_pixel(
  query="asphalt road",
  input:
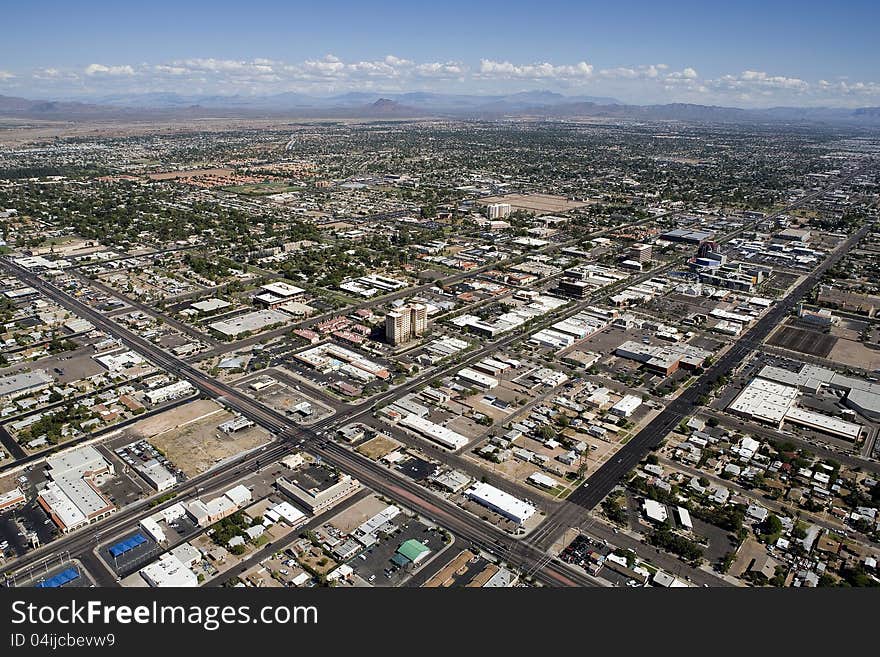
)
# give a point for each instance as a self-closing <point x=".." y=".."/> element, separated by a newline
<point x="480" y="534"/>
<point x="529" y="555"/>
<point x="603" y="480"/>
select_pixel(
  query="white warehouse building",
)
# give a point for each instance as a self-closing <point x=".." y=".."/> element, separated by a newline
<point x="503" y="503"/>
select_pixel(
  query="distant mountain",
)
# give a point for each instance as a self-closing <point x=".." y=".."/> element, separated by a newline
<point x="534" y="104"/>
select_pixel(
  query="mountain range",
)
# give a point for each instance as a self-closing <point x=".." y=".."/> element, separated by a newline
<point x="533" y="104"/>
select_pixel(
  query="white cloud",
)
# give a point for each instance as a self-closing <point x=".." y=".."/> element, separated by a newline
<point x="543" y="71"/>
<point x="637" y="83"/>
<point x="645" y="72"/>
<point x="760" y="81"/>
<point x="101" y="69"/>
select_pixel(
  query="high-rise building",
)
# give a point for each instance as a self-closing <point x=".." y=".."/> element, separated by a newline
<point x="640" y="253"/>
<point x="498" y="210"/>
<point x="418" y="319"/>
<point x="405" y="323"/>
<point x="397" y="327"/>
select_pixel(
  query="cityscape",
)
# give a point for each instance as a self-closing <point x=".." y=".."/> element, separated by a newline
<point x="398" y="335"/>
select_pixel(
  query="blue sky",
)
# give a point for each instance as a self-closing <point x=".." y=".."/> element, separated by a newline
<point x="736" y="53"/>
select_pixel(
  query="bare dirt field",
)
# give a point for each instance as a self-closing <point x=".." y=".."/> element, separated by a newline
<point x="357" y="514"/>
<point x="855" y="354"/>
<point x="377" y="447"/>
<point x="535" y="202"/>
<point x="750" y="551"/>
<point x="189" y="437"/>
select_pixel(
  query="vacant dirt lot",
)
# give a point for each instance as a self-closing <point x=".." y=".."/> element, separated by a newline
<point x="855" y="354"/>
<point x="378" y="447"/>
<point x="357" y="514"/>
<point x="535" y="202"/>
<point x="189" y="436"/>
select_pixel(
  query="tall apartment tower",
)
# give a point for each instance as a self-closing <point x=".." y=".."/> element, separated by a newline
<point x="406" y="323"/>
<point x="498" y="210"/>
<point x="418" y="319"/>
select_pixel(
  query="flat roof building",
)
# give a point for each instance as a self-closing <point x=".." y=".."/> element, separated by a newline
<point x="626" y="406"/>
<point x="317" y="487"/>
<point x="169" y="572"/>
<point x="438" y="433"/>
<point x="252" y="322"/>
<point x="497" y="500"/>
<point x="655" y="511"/>
<point x="24" y="383"/>
<point x="72" y="498"/>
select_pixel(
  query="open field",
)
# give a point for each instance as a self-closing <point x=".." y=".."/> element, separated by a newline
<point x="190" y="173"/>
<point x="535" y="202"/>
<point x="189" y="438"/>
<point x="263" y="189"/>
<point x="378" y="447"/>
<point x="855" y="354"/>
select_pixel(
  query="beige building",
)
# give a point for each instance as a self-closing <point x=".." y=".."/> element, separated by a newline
<point x="317" y="488"/>
<point x="640" y="253"/>
<point x="405" y="323"/>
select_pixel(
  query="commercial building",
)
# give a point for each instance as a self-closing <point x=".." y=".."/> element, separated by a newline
<point x="287" y="512"/>
<point x="687" y="236"/>
<point x="411" y="552"/>
<point x="574" y="288"/>
<point x="482" y="381"/>
<point x="72" y="497"/>
<point x="152" y="527"/>
<point x="626" y="406"/>
<point x="655" y="511"/>
<point x="666" y="359"/>
<point x="735" y="276"/>
<point x="640" y="253"/>
<point x="861" y="395"/>
<point x="329" y="357"/>
<point x="169" y="572"/>
<point x="541" y="480"/>
<point x="11" y="499"/>
<point x="435" y="432"/>
<point x="157" y="475"/>
<point x="207" y="513"/>
<point x="824" y="423"/>
<point x="252" y="322"/>
<point x="23" y="384"/>
<point x="538" y="305"/>
<point x="552" y="339"/>
<point x="406" y="323"/>
<point x="277" y="293"/>
<point x="317" y="487"/>
<point x="367" y="533"/>
<point x="771" y="402"/>
<point x="117" y="363"/>
<point x="209" y="306"/>
<point x="497" y="500"/>
<point x="370" y="286"/>
<point x="236" y="424"/>
<point x="169" y="392"/>
<point x="764" y="401"/>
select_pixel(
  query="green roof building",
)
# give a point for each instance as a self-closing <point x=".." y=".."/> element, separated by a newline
<point x="412" y="551"/>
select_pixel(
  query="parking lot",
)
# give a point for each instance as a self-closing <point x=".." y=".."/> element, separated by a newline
<point x="133" y="559"/>
<point x="375" y="566"/>
<point x="66" y="574"/>
<point x="16" y="526"/>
